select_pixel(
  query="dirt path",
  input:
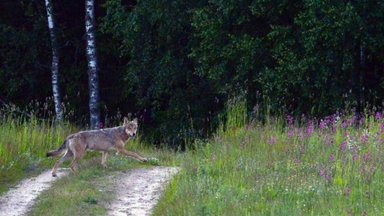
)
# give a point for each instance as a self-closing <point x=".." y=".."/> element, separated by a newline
<point x="138" y="190"/>
<point x="18" y="200"/>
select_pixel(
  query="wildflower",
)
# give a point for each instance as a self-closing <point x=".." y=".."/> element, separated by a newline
<point x="344" y="124"/>
<point x="364" y="137"/>
<point x="324" y="173"/>
<point x="382" y="127"/>
<point x="309" y="129"/>
<point x="355" y="157"/>
<point x="331" y="158"/>
<point x="343" y="146"/>
<point x="362" y="121"/>
<point x="322" y="125"/>
<point x="378" y="116"/>
<point x="291" y="133"/>
<point x="272" y="140"/>
<point x="367" y="156"/>
<point x="301" y="136"/>
<point x="290" y="120"/>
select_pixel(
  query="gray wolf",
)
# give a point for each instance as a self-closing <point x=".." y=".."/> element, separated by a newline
<point x="76" y="145"/>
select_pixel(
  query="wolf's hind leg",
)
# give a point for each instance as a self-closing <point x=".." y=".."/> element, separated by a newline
<point x="74" y="163"/>
<point x="104" y="158"/>
<point x="78" y="152"/>
<point x="65" y="157"/>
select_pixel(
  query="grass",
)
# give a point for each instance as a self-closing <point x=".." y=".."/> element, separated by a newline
<point x="328" y="167"/>
<point x="331" y="168"/>
<point x="23" y="144"/>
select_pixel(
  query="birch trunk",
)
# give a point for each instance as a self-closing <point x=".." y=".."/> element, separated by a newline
<point x="93" y="81"/>
<point x="55" y="62"/>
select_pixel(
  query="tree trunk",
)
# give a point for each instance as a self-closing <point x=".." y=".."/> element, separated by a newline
<point x="93" y="80"/>
<point x="55" y="62"/>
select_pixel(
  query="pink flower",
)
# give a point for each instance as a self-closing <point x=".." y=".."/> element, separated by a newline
<point x="291" y="133"/>
<point x="382" y="127"/>
<point x="322" y="125"/>
<point x="289" y="120"/>
<point x="272" y="140"/>
<point x="364" y="138"/>
<point x="367" y="156"/>
<point x="331" y="158"/>
<point x="309" y="129"/>
<point x="343" y="146"/>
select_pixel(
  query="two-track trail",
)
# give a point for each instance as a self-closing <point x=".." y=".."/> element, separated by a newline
<point x="18" y="200"/>
<point x="136" y="191"/>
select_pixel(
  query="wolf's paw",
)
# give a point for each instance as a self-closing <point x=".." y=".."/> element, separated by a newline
<point x="153" y="161"/>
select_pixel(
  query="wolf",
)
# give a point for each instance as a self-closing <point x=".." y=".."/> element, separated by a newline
<point x="76" y="145"/>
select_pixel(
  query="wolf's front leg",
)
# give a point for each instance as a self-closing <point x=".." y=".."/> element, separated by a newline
<point x="132" y="155"/>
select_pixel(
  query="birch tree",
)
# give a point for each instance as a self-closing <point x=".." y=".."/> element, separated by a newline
<point x="93" y="81"/>
<point x="55" y="61"/>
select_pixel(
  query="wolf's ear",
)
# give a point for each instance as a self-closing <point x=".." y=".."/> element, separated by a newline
<point x="126" y="120"/>
<point x="135" y="120"/>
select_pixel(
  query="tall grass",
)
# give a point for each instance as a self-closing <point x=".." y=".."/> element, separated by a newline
<point x="328" y="167"/>
<point x="23" y="144"/>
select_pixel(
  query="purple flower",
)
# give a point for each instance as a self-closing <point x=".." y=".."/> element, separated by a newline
<point x="331" y="158"/>
<point x="378" y="116"/>
<point x="382" y="127"/>
<point x="309" y="129"/>
<point x="364" y="138"/>
<point x="272" y="140"/>
<point x="290" y="120"/>
<point x="362" y="121"/>
<point x="301" y="135"/>
<point x="322" y="125"/>
<point x="291" y="133"/>
<point x="367" y="156"/>
<point x="324" y="173"/>
<point x="344" y="124"/>
<point x="354" y="157"/>
<point x="343" y="146"/>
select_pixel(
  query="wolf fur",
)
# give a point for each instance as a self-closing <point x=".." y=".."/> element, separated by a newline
<point x="76" y="145"/>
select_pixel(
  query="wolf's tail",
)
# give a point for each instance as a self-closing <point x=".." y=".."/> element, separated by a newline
<point x="58" y="151"/>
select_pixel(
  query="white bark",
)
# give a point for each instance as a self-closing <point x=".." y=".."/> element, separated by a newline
<point x="55" y="61"/>
<point x="93" y="80"/>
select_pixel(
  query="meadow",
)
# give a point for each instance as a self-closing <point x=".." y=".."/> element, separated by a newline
<point x="329" y="166"/>
<point x="283" y="166"/>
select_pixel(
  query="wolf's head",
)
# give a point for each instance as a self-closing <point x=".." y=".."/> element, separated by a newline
<point x="130" y="127"/>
